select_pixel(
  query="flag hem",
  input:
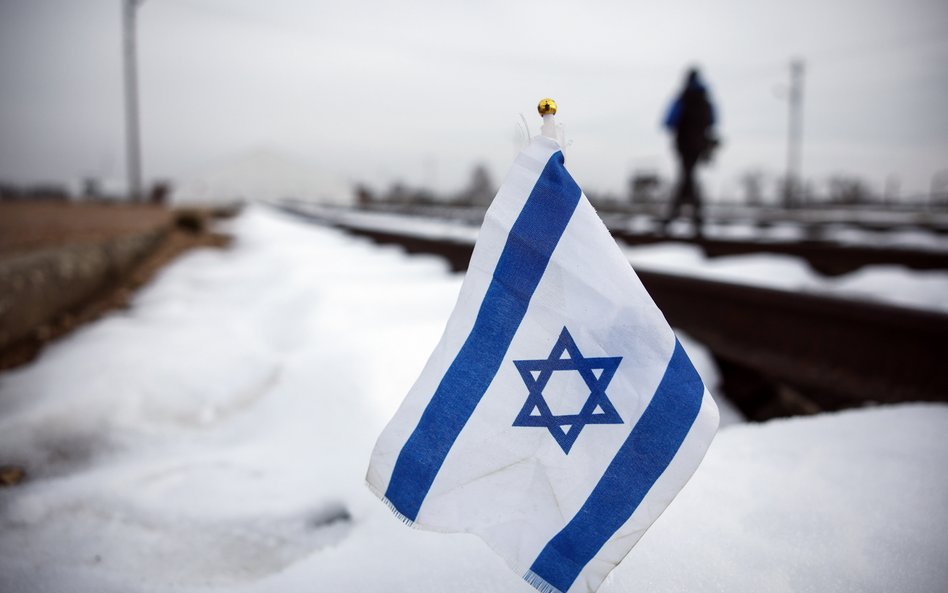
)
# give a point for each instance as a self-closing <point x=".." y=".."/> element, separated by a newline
<point x="391" y="506"/>
<point x="539" y="583"/>
<point x="415" y="523"/>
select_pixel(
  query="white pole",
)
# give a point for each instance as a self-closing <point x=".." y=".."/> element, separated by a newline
<point x="547" y="109"/>
<point x="132" y="139"/>
<point x="794" y="181"/>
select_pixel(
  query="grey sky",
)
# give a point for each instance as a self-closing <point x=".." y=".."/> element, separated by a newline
<point x="420" y="91"/>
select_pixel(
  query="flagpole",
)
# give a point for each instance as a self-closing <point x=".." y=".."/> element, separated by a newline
<point x="547" y="109"/>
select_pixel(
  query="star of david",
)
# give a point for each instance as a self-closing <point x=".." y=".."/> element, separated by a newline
<point x="566" y="356"/>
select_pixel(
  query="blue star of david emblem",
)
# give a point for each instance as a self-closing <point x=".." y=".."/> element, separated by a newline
<point x="566" y="356"/>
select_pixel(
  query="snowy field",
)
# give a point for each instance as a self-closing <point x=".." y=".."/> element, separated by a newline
<point x="214" y="438"/>
<point x="890" y="284"/>
<point x="905" y="237"/>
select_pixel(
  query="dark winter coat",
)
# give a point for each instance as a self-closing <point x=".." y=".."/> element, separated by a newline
<point x="691" y="116"/>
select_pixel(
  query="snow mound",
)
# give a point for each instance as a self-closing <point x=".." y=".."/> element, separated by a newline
<point x="214" y="438"/>
<point x="852" y="501"/>
<point x="891" y="284"/>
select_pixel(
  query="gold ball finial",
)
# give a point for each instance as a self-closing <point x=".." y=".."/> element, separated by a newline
<point x="547" y="107"/>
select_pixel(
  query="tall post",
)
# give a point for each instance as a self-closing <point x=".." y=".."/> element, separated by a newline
<point x="132" y="140"/>
<point x="794" y="175"/>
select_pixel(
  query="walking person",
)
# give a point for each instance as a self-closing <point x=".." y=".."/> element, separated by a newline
<point x="690" y="118"/>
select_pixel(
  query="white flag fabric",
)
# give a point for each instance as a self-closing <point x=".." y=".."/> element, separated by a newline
<point x="559" y="415"/>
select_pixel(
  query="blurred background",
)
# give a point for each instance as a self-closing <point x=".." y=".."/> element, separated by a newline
<point x="239" y="95"/>
<point x="231" y="232"/>
<point x="809" y="254"/>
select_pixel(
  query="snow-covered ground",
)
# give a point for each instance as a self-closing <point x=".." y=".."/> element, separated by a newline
<point x="892" y="284"/>
<point x="907" y="237"/>
<point x="214" y="438"/>
<point x="897" y="285"/>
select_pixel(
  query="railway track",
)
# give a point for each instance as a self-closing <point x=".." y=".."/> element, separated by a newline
<point x="780" y="353"/>
<point x="827" y="258"/>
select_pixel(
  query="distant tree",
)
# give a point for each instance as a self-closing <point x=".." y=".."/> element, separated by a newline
<point x="938" y="196"/>
<point x="790" y="192"/>
<point x="893" y="187"/>
<point x="480" y="189"/>
<point x="8" y="191"/>
<point x="850" y="191"/>
<point x="397" y="194"/>
<point x="363" y="195"/>
<point x="752" y="182"/>
<point x="644" y="187"/>
<point x="91" y="188"/>
<point x="47" y="191"/>
<point x="603" y="201"/>
<point x="159" y="193"/>
<point x="423" y="196"/>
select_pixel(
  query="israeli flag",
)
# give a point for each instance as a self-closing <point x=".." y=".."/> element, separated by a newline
<point x="558" y="415"/>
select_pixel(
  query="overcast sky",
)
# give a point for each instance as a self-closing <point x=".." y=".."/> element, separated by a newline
<point x="420" y="91"/>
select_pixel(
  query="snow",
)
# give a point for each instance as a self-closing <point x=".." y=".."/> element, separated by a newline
<point x="450" y="229"/>
<point x="896" y="285"/>
<point x="907" y="237"/>
<point x="786" y="231"/>
<point x="839" y="502"/>
<point x="214" y="438"/>
<point x="843" y="234"/>
<point x="416" y="226"/>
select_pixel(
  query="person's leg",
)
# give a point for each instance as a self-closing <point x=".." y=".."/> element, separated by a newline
<point x="698" y="210"/>
<point x="681" y="192"/>
<point x="692" y="193"/>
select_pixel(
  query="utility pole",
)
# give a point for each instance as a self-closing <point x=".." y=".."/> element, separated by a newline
<point x="794" y="175"/>
<point x="132" y="139"/>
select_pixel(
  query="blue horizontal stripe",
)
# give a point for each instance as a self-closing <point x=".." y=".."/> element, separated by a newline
<point x="640" y="461"/>
<point x="530" y="244"/>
